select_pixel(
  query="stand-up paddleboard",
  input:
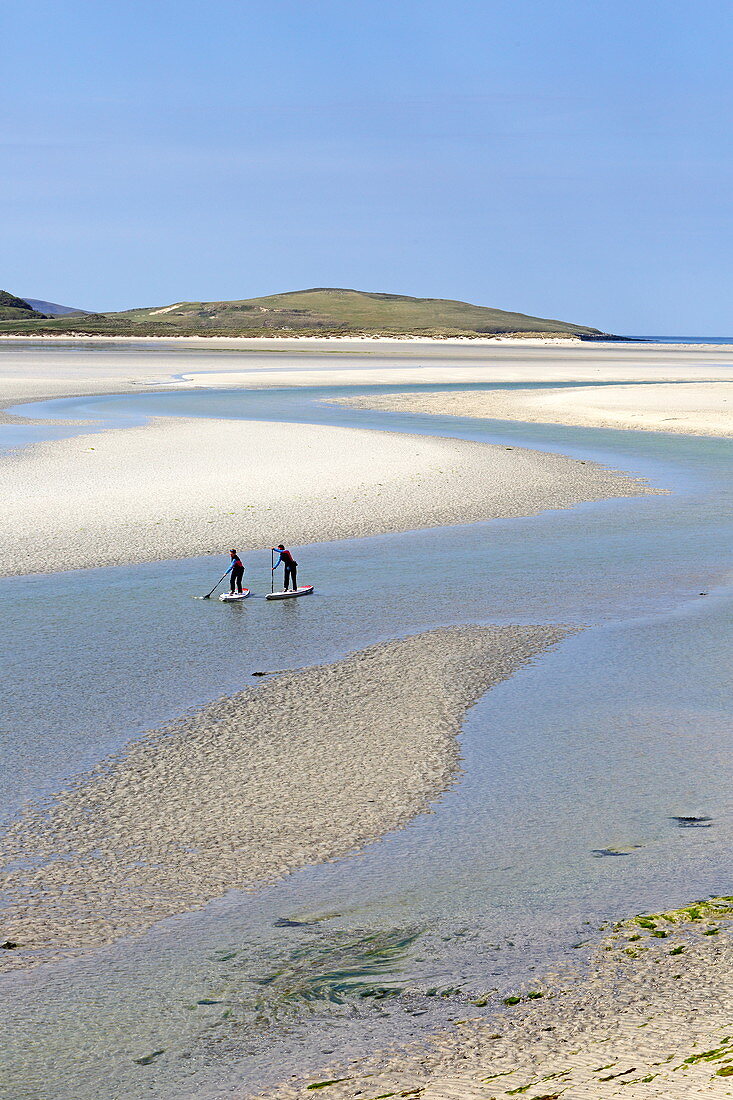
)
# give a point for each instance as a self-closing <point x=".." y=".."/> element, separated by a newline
<point x="304" y="591"/>
<point x="235" y="597"/>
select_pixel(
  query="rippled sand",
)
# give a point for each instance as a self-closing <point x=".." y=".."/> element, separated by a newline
<point x="304" y="768"/>
<point x="652" y="1021"/>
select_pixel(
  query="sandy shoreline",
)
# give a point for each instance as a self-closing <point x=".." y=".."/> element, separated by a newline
<point x="214" y="802"/>
<point x="145" y="835"/>
<point x="34" y="370"/>
<point x="690" y="408"/>
<point x="651" y="1021"/>
<point x="304" y="340"/>
<point x="176" y="488"/>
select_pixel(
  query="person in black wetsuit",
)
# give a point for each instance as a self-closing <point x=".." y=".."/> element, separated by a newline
<point x="291" y="566"/>
<point x="236" y="569"/>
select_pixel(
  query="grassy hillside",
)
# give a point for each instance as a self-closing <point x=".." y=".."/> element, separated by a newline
<point x="314" y="312"/>
<point x="349" y="311"/>
<point x="89" y="324"/>
<point x="12" y="308"/>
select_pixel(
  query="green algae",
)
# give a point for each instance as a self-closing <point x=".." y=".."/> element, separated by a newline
<point x="713" y="909"/>
<point x="325" y="1084"/>
<point x="148" y="1059"/>
<point x="714" y="1055"/>
<point x="336" y="969"/>
<point x="720" y="907"/>
<point x="613" y="1076"/>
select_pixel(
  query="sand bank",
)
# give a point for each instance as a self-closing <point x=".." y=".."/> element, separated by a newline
<point x="500" y="364"/>
<point x="651" y="1022"/>
<point x="693" y="408"/>
<point x="31" y="369"/>
<point x="304" y="768"/>
<point x="176" y="488"/>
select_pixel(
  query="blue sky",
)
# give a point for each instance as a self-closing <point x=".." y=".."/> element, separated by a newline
<point x="567" y="159"/>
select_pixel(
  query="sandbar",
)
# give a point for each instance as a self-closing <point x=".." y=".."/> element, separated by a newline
<point x="304" y="768"/>
<point x="177" y="487"/>
<point x="690" y="408"/>
<point x="32" y="369"/>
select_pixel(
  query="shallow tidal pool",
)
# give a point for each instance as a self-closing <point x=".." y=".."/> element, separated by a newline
<point x="575" y="771"/>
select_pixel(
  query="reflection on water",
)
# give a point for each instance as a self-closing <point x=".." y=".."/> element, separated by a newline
<point x="598" y="747"/>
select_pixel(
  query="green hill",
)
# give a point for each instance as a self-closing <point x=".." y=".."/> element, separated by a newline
<point x="312" y="312"/>
<point x="348" y="311"/>
<point x="12" y="308"/>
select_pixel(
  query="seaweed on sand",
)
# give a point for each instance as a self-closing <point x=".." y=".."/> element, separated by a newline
<point x="336" y="969"/>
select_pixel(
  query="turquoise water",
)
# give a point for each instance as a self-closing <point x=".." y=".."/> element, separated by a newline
<point x="598" y="745"/>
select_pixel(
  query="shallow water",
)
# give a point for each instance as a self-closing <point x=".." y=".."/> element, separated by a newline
<point x="594" y="748"/>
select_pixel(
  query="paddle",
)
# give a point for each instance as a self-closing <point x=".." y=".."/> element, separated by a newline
<point x="209" y="594"/>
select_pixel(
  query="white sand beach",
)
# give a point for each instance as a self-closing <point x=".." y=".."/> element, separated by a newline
<point x="214" y="802"/>
<point x="690" y="408"/>
<point x="179" y="487"/>
<point x="32" y="369"/>
<point x="175" y="488"/>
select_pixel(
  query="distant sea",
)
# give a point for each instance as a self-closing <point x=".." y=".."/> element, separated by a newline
<point x="683" y="339"/>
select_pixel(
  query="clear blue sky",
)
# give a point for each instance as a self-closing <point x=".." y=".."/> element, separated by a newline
<point x="568" y="158"/>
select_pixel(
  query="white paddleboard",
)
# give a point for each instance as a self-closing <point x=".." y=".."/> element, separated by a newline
<point x="304" y="591"/>
<point x="235" y="597"/>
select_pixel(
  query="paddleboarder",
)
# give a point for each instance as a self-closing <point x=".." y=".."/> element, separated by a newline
<point x="291" y="566"/>
<point x="236" y="569"/>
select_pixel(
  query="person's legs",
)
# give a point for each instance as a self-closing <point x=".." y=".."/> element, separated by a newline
<point x="294" y="575"/>
<point x="240" y="574"/>
<point x="232" y="581"/>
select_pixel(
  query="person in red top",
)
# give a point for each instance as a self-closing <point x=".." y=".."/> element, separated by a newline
<point x="291" y="566"/>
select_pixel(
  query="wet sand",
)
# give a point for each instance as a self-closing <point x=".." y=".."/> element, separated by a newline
<point x="176" y="488"/>
<point x="302" y="769"/>
<point x="651" y="1021"/>
<point x="690" y="408"/>
<point x="33" y="369"/>
<point x="213" y="803"/>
